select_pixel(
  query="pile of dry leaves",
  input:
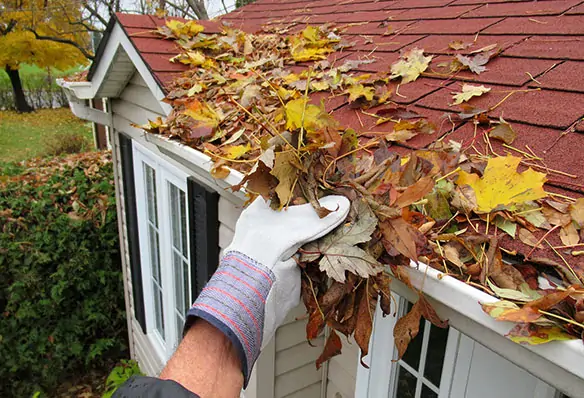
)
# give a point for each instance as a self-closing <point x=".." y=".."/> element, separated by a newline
<point x="248" y="105"/>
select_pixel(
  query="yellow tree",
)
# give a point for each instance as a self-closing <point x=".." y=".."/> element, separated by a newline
<point x="40" y="32"/>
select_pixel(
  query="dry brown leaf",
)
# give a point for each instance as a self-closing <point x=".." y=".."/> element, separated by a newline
<point x="406" y="329"/>
<point x="451" y="254"/>
<point x="527" y="237"/>
<point x="429" y="313"/>
<point x="365" y="320"/>
<point x="569" y="235"/>
<point x="415" y="192"/>
<point x="401" y="235"/>
<point x="332" y="347"/>
<point x="577" y="212"/>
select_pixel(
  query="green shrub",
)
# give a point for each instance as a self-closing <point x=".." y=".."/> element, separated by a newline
<point x="119" y="375"/>
<point x="67" y="143"/>
<point x="61" y="293"/>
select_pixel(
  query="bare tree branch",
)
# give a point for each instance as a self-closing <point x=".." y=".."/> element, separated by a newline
<point x="198" y="7"/>
<point x="94" y="13"/>
<point x="85" y="53"/>
<point x="184" y="10"/>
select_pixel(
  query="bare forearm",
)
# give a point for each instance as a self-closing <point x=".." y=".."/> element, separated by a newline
<point x="206" y="363"/>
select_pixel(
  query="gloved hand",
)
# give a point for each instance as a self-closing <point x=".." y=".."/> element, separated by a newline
<point x="258" y="282"/>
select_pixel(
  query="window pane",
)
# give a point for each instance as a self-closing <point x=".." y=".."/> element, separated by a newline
<point x="427" y="393"/>
<point x="187" y="288"/>
<point x="150" y="177"/>
<point x="183" y="224"/>
<point x="178" y="282"/>
<point x="175" y="216"/>
<point x="412" y="355"/>
<point x="406" y="384"/>
<point x="435" y="356"/>
<point x="158" y="312"/>
<point x="154" y="253"/>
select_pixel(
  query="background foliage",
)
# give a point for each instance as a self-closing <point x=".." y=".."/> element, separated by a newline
<point x="40" y="87"/>
<point x="61" y="290"/>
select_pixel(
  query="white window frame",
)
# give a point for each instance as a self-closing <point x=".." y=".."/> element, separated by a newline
<point x="374" y="383"/>
<point x="165" y="173"/>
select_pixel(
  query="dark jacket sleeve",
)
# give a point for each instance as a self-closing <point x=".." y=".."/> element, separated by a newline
<point x="151" y="387"/>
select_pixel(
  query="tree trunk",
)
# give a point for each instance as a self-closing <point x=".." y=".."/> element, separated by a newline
<point x="19" y="98"/>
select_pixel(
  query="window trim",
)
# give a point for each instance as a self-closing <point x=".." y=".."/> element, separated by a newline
<point x="166" y="174"/>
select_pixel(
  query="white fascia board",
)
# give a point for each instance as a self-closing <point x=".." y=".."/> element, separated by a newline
<point x="116" y="40"/>
<point x="558" y="363"/>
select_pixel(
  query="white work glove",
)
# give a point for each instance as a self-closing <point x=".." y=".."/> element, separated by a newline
<point x="258" y="282"/>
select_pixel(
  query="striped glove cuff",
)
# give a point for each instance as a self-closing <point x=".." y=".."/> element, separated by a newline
<point x="234" y="302"/>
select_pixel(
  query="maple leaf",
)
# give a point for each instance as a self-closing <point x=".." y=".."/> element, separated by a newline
<point x="286" y="173"/>
<point x="459" y="45"/>
<point x="503" y="132"/>
<point x="358" y="90"/>
<point x="412" y="64"/>
<point x="206" y="119"/>
<point x="469" y="91"/>
<point x="236" y="151"/>
<point x="501" y="185"/>
<point x="339" y="250"/>
<point x="190" y="28"/>
<point x="300" y="113"/>
<point x="476" y="63"/>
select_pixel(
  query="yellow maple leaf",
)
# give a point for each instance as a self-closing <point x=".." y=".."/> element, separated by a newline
<point x="205" y="117"/>
<point x="469" y="91"/>
<point x="358" y="90"/>
<point x="412" y="64"/>
<point x="190" y="28"/>
<point x="299" y="112"/>
<point x="501" y="185"/>
<point x="237" y="151"/>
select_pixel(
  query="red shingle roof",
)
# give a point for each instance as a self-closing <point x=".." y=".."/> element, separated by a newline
<point x="542" y="46"/>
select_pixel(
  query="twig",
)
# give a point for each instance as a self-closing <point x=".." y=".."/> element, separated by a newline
<point x="561" y="318"/>
<point x="564" y="260"/>
<point x="372" y="143"/>
<point x="541" y="240"/>
<point x="509" y="95"/>
<point x="449" y="174"/>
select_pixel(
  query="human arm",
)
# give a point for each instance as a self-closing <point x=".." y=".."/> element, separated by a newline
<point x="256" y="285"/>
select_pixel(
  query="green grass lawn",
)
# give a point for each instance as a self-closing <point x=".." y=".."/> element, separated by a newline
<point x="28" y="135"/>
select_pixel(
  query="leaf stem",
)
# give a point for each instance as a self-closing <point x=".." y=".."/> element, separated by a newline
<point x="561" y="318"/>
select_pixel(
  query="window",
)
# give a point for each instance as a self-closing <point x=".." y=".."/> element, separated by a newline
<point x="440" y="363"/>
<point x="162" y="212"/>
<point x="419" y="372"/>
<point x="426" y="369"/>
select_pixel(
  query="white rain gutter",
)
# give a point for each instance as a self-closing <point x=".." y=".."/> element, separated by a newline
<point x="558" y="363"/>
<point x="77" y="94"/>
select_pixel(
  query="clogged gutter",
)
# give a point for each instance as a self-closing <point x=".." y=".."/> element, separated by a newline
<point x="247" y="104"/>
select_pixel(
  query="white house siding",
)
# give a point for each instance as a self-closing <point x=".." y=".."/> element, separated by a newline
<point x="342" y="371"/>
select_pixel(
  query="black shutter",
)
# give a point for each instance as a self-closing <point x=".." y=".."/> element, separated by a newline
<point x="127" y="161"/>
<point x="204" y="234"/>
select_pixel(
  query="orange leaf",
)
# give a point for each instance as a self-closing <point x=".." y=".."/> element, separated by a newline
<point x="331" y="348"/>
